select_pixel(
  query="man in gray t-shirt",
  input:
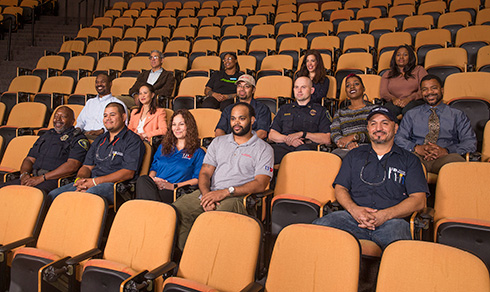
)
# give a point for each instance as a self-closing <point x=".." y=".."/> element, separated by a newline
<point x="235" y="165"/>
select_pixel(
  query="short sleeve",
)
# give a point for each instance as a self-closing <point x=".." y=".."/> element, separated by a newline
<point x="198" y="160"/>
<point x="263" y="118"/>
<point x="210" y="157"/>
<point x="79" y="149"/>
<point x="277" y="123"/>
<point x="134" y="151"/>
<point x="344" y="176"/>
<point x="265" y="163"/>
<point x="156" y="157"/>
<point x="325" y="121"/>
<point x="415" y="180"/>
<point x="89" y="158"/>
<point x="224" y="121"/>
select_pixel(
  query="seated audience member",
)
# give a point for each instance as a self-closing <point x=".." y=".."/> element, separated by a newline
<point x="57" y="153"/>
<point x="220" y="89"/>
<point x="301" y="125"/>
<point x="235" y="165"/>
<point x="245" y="89"/>
<point x="114" y="156"/>
<point x="378" y="185"/>
<point x="435" y="132"/>
<point x="176" y="163"/>
<point x="349" y="123"/>
<point x="163" y="81"/>
<point x="400" y="86"/>
<point x="314" y="68"/>
<point x="90" y="119"/>
<point x="147" y="120"/>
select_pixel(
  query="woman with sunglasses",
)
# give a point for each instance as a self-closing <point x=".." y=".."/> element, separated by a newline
<point x="220" y="89"/>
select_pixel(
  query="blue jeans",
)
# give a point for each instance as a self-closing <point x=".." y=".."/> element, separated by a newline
<point x="392" y="230"/>
<point x="105" y="190"/>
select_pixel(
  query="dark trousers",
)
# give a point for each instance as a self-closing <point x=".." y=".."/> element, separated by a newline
<point x="211" y="102"/>
<point x="396" y="110"/>
<point x="281" y="149"/>
<point x="147" y="189"/>
<point x="46" y="186"/>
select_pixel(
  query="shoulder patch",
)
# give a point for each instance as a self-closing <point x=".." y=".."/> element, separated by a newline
<point x="84" y="144"/>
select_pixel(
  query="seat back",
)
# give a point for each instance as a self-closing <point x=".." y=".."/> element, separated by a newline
<point x="142" y="235"/>
<point x="485" y="152"/>
<point x="25" y="83"/>
<point x="274" y="86"/>
<point x="94" y="47"/>
<point x="73" y="224"/>
<point x="121" y="85"/>
<point x="20" y="209"/>
<point x="293" y="179"/>
<point x="436" y="267"/>
<point x="175" y="63"/>
<point x="147" y="158"/>
<point x="86" y="85"/>
<point x="462" y="191"/>
<point x="222" y="250"/>
<point x="371" y="84"/>
<point x="16" y="151"/>
<point x="110" y="62"/>
<point x="466" y="84"/>
<point x="52" y="61"/>
<point x="206" y="120"/>
<point x="138" y="63"/>
<point x="27" y="114"/>
<point x="310" y="257"/>
<point x="125" y="46"/>
<point x="58" y="84"/>
<point x="193" y="86"/>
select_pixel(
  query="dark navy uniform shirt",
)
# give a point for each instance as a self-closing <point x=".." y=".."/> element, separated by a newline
<point x="53" y="149"/>
<point x="293" y="118"/>
<point x="124" y="152"/>
<point x="262" y="117"/>
<point x="380" y="184"/>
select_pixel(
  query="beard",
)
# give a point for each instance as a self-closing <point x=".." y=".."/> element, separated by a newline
<point x="243" y="131"/>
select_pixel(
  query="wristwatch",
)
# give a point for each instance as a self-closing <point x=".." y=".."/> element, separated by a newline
<point x="231" y="190"/>
<point x="356" y="137"/>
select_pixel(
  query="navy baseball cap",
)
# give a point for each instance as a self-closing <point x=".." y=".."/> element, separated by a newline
<point x="382" y="110"/>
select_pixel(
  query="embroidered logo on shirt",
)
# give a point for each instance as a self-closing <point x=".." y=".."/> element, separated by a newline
<point x="186" y="156"/>
<point x="268" y="168"/>
<point x="313" y="112"/>
<point x="247" y="155"/>
<point x="84" y="144"/>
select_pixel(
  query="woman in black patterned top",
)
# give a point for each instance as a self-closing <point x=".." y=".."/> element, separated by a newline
<point x="349" y="123"/>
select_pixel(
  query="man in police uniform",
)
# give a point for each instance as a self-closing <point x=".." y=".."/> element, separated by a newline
<point x="114" y="156"/>
<point x="235" y="165"/>
<point x="301" y="125"/>
<point x="245" y="89"/>
<point x="57" y="153"/>
<point x="378" y="185"/>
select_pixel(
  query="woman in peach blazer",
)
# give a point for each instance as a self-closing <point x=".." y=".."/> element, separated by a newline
<point x="148" y="120"/>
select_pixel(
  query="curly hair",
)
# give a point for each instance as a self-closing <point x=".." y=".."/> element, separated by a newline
<point x="320" y="67"/>
<point x="395" y="71"/>
<point x="191" y="137"/>
<point x="153" y="103"/>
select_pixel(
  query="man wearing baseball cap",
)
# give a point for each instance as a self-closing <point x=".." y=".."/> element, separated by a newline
<point x="379" y="184"/>
<point x="245" y="89"/>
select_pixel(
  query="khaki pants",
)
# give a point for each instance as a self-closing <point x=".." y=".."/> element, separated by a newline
<point x="435" y="165"/>
<point x="189" y="208"/>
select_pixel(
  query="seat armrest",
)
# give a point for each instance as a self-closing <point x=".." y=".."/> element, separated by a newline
<point x="421" y="224"/>
<point x="8" y="247"/>
<point x="161" y="270"/>
<point x="83" y="256"/>
<point x="253" y="287"/>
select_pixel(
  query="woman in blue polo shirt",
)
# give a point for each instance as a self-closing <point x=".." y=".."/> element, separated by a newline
<point x="176" y="163"/>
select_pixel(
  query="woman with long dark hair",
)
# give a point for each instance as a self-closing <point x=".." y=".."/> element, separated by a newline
<point x="147" y="120"/>
<point x="313" y="67"/>
<point x="400" y="86"/>
<point x="176" y="163"/>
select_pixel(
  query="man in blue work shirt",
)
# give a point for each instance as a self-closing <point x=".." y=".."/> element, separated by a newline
<point x="435" y="132"/>
<point x="245" y="89"/>
<point x="57" y="153"/>
<point x="378" y="185"/>
<point x="114" y="156"/>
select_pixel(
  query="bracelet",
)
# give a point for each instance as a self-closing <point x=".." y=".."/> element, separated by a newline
<point x="93" y="180"/>
<point x="24" y="173"/>
<point x="76" y="179"/>
<point x="304" y="135"/>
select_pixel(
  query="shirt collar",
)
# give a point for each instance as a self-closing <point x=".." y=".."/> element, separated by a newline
<point x="119" y="135"/>
<point x="308" y="105"/>
<point x="439" y="107"/>
<point x="157" y="71"/>
<point x="250" y="141"/>
<point x="105" y="97"/>
<point x="394" y="149"/>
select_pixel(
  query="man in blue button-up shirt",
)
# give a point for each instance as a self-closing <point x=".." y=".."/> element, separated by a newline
<point x="456" y="137"/>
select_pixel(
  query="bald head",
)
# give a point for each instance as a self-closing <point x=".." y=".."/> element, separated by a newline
<point x="303" y="89"/>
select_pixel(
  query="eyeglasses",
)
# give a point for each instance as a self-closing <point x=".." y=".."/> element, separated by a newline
<point x="374" y="184"/>
<point x="228" y="59"/>
<point x="153" y="57"/>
